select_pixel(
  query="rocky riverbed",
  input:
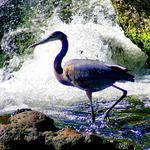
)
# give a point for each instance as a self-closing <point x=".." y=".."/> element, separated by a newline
<point x="29" y="129"/>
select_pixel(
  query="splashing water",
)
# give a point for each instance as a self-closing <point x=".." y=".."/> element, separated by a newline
<point x="34" y="85"/>
<point x="92" y="34"/>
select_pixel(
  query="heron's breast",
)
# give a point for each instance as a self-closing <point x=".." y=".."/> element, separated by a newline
<point x="68" y="72"/>
<point x="63" y="79"/>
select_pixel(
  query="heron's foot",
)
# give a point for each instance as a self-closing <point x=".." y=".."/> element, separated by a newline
<point x="106" y="116"/>
<point x="105" y="120"/>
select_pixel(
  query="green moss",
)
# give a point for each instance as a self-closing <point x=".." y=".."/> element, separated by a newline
<point x="140" y="37"/>
<point x="145" y="138"/>
<point x="66" y="15"/>
<point x="134" y="17"/>
<point x="23" y="41"/>
<point x="66" y="10"/>
<point x="3" y="58"/>
<point x="135" y="102"/>
<point x="132" y="122"/>
<point x="137" y="113"/>
<point x="13" y="14"/>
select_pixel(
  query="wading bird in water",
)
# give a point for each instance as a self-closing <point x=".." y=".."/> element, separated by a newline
<point x="86" y="74"/>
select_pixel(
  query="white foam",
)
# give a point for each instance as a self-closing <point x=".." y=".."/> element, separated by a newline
<point x="35" y="85"/>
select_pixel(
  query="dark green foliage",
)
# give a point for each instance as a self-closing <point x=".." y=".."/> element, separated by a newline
<point x="11" y="15"/>
<point x="22" y="42"/>
<point x="66" y="11"/>
<point x="14" y="14"/>
<point x="3" y="58"/>
<point x="20" y="14"/>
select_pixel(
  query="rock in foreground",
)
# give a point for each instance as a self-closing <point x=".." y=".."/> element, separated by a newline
<point x="34" y="130"/>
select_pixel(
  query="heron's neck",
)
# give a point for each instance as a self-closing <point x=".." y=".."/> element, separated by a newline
<point x="57" y="63"/>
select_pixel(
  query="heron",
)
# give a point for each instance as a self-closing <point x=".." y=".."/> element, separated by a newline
<point x="87" y="74"/>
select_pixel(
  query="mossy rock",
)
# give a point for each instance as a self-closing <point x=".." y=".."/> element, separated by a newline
<point x="134" y="18"/>
<point x="133" y="123"/>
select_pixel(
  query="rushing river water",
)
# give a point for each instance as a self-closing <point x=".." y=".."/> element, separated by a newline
<point x="35" y="86"/>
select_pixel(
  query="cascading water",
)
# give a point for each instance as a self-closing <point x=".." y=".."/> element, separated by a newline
<point x="94" y="37"/>
<point x="92" y="34"/>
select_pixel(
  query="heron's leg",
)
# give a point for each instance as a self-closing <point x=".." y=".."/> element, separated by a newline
<point x="124" y="95"/>
<point x="89" y="95"/>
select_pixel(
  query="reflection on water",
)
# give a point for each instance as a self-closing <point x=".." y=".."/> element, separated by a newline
<point x="125" y="122"/>
<point x="34" y="85"/>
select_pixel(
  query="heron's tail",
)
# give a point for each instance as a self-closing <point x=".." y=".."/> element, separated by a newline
<point x="122" y="73"/>
<point x="128" y="77"/>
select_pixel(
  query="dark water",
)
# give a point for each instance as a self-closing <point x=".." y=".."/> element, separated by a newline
<point x="125" y="122"/>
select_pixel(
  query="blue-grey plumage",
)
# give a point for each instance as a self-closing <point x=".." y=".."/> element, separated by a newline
<point x="93" y="75"/>
<point x="88" y="75"/>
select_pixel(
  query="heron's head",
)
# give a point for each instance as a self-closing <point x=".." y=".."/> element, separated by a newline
<point x="57" y="35"/>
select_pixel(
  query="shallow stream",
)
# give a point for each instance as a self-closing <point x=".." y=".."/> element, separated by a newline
<point x="95" y="35"/>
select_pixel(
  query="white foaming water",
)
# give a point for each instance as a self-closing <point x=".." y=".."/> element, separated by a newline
<point x="35" y="85"/>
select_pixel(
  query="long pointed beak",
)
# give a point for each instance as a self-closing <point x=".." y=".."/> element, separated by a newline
<point x="49" y="38"/>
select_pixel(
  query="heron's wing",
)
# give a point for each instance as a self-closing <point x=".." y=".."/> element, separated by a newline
<point x="88" y="73"/>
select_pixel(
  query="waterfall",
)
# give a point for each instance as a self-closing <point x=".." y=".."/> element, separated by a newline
<point x="95" y="37"/>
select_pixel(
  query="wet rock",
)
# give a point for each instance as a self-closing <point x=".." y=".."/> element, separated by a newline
<point x="14" y="137"/>
<point x="33" y="119"/>
<point x="68" y="138"/>
<point x="28" y="129"/>
<point x="24" y="130"/>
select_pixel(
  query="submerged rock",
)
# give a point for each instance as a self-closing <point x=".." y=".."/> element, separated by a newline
<point x="34" y="130"/>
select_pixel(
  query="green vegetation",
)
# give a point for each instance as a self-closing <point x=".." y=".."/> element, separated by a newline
<point x="13" y="14"/>
<point x="5" y="119"/>
<point x="3" y="58"/>
<point x="28" y="18"/>
<point x="134" y="18"/>
<point x="16" y="14"/>
<point x="23" y="41"/>
<point x="132" y="121"/>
